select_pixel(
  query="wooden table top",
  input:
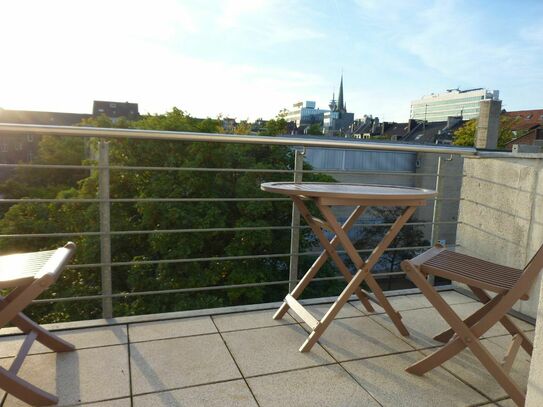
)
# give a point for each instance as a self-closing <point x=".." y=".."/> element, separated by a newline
<point x="349" y="191"/>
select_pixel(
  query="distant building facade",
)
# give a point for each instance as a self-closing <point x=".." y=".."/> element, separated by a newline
<point x="115" y="110"/>
<point x="365" y="128"/>
<point x="229" y="124"/>
<point x="305" y="114"/>
<point x="452" y="103"/>
<point x="337" y="121"/>
<point x="16" y="148"/>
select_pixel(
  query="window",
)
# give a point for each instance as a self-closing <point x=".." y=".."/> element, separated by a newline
<point x="30" y="138"/>
<point x="19" y="146"/>
<point x="4" y="147"/>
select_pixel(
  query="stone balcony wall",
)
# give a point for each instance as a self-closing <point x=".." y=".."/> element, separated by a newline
<point x="501" y="212"/>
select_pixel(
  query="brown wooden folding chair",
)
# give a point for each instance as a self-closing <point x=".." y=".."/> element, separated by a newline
<point x="509" y="286"/>
<point x="28" y="275"/>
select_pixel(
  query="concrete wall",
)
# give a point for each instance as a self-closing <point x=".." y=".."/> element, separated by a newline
<point x="501" y="212"/>
<point x="534" y="396"/>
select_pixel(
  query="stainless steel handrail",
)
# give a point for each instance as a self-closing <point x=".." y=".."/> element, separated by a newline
<point x="105" y="133"/>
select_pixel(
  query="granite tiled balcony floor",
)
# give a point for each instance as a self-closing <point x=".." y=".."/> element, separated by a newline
<point x="248" y="359"/>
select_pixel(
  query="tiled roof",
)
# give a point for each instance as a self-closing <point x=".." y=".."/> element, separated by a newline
<point x="526" y="119"/>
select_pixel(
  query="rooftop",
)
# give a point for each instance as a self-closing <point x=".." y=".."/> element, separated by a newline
<point x="248" y="359"/>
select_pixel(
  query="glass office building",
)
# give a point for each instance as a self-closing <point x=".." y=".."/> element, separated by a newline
<point x="304" y="113"/>
<point x="453" y="102"/>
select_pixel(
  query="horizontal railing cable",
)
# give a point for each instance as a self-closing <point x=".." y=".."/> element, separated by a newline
<point x="235" y="170"/>
<point x="228" y="258"/>
<point x="138" y="200"/>
<point x="158" y="200"/>
<point x="199" y="289"/>
<point x="204" y="230"/>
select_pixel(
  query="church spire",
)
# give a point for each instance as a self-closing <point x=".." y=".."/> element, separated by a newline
<point x="340" y="103"/>
<point x="332" y="104"/>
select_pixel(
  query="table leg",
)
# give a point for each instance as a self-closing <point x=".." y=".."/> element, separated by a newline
<point x="363" y="274"/>
<point x="364" y="268"/>
<point x="323" y="257"/>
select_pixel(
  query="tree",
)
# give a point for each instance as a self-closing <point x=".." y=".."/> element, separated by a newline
<point x="275" y="127"/>
<point x="315" y="129"/>
<point x="465" y="135"/>
<point x="244" y="127"/>
<point x="164" y="256"/>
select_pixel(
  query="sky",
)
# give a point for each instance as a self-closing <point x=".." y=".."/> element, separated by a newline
<point x="251" y="58"/>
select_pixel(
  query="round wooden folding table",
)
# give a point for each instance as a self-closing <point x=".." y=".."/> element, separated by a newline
<point x="326" y="195"/>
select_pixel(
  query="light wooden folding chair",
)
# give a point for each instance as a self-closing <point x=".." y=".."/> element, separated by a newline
<point x="509" y="286"/>
<point x="28" y="275"/>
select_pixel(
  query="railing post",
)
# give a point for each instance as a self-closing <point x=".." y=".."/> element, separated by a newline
<point x="105" y="228"/>
<point x="437" y="203"/>
<point x="436" y="216"/>
<point x="295" y="224"/>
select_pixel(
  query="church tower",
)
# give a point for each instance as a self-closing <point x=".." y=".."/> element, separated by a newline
<point x="333" y="104"/>
<point x="341" y="107"/>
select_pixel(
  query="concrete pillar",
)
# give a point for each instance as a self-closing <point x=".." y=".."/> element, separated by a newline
<point x="488" y="125"/>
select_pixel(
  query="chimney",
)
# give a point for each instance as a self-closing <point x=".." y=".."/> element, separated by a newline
<point x="411" y="125"/>
<point x="488" y="125"/>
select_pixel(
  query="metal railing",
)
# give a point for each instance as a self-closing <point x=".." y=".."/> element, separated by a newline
<point x="104" y="200"/>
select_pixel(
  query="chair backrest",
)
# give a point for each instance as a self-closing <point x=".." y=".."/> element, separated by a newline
<point x="51" y="270"/>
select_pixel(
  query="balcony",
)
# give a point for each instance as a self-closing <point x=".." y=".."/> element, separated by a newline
<point x="230" y="351"/>
<point x="232" y="358"/>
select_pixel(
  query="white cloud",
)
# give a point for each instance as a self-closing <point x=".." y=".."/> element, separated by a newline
<point x="460" y="43"/>
<point x="270" y="22"/>
<point x="135" y="50"/>
<point x="233" y="12"/>
<point x="252" y="58"/>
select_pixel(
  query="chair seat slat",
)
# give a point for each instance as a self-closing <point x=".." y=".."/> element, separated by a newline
<point x="499" y="277"/>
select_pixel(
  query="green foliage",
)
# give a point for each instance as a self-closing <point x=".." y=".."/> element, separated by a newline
<point x="314" y="129"/>
<point x="465" y="135"/>
<point x="160" y="218"/>
<point x="243" y="127"/>
<point x="275" y="127"/>
<point x="164" y="254"/>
